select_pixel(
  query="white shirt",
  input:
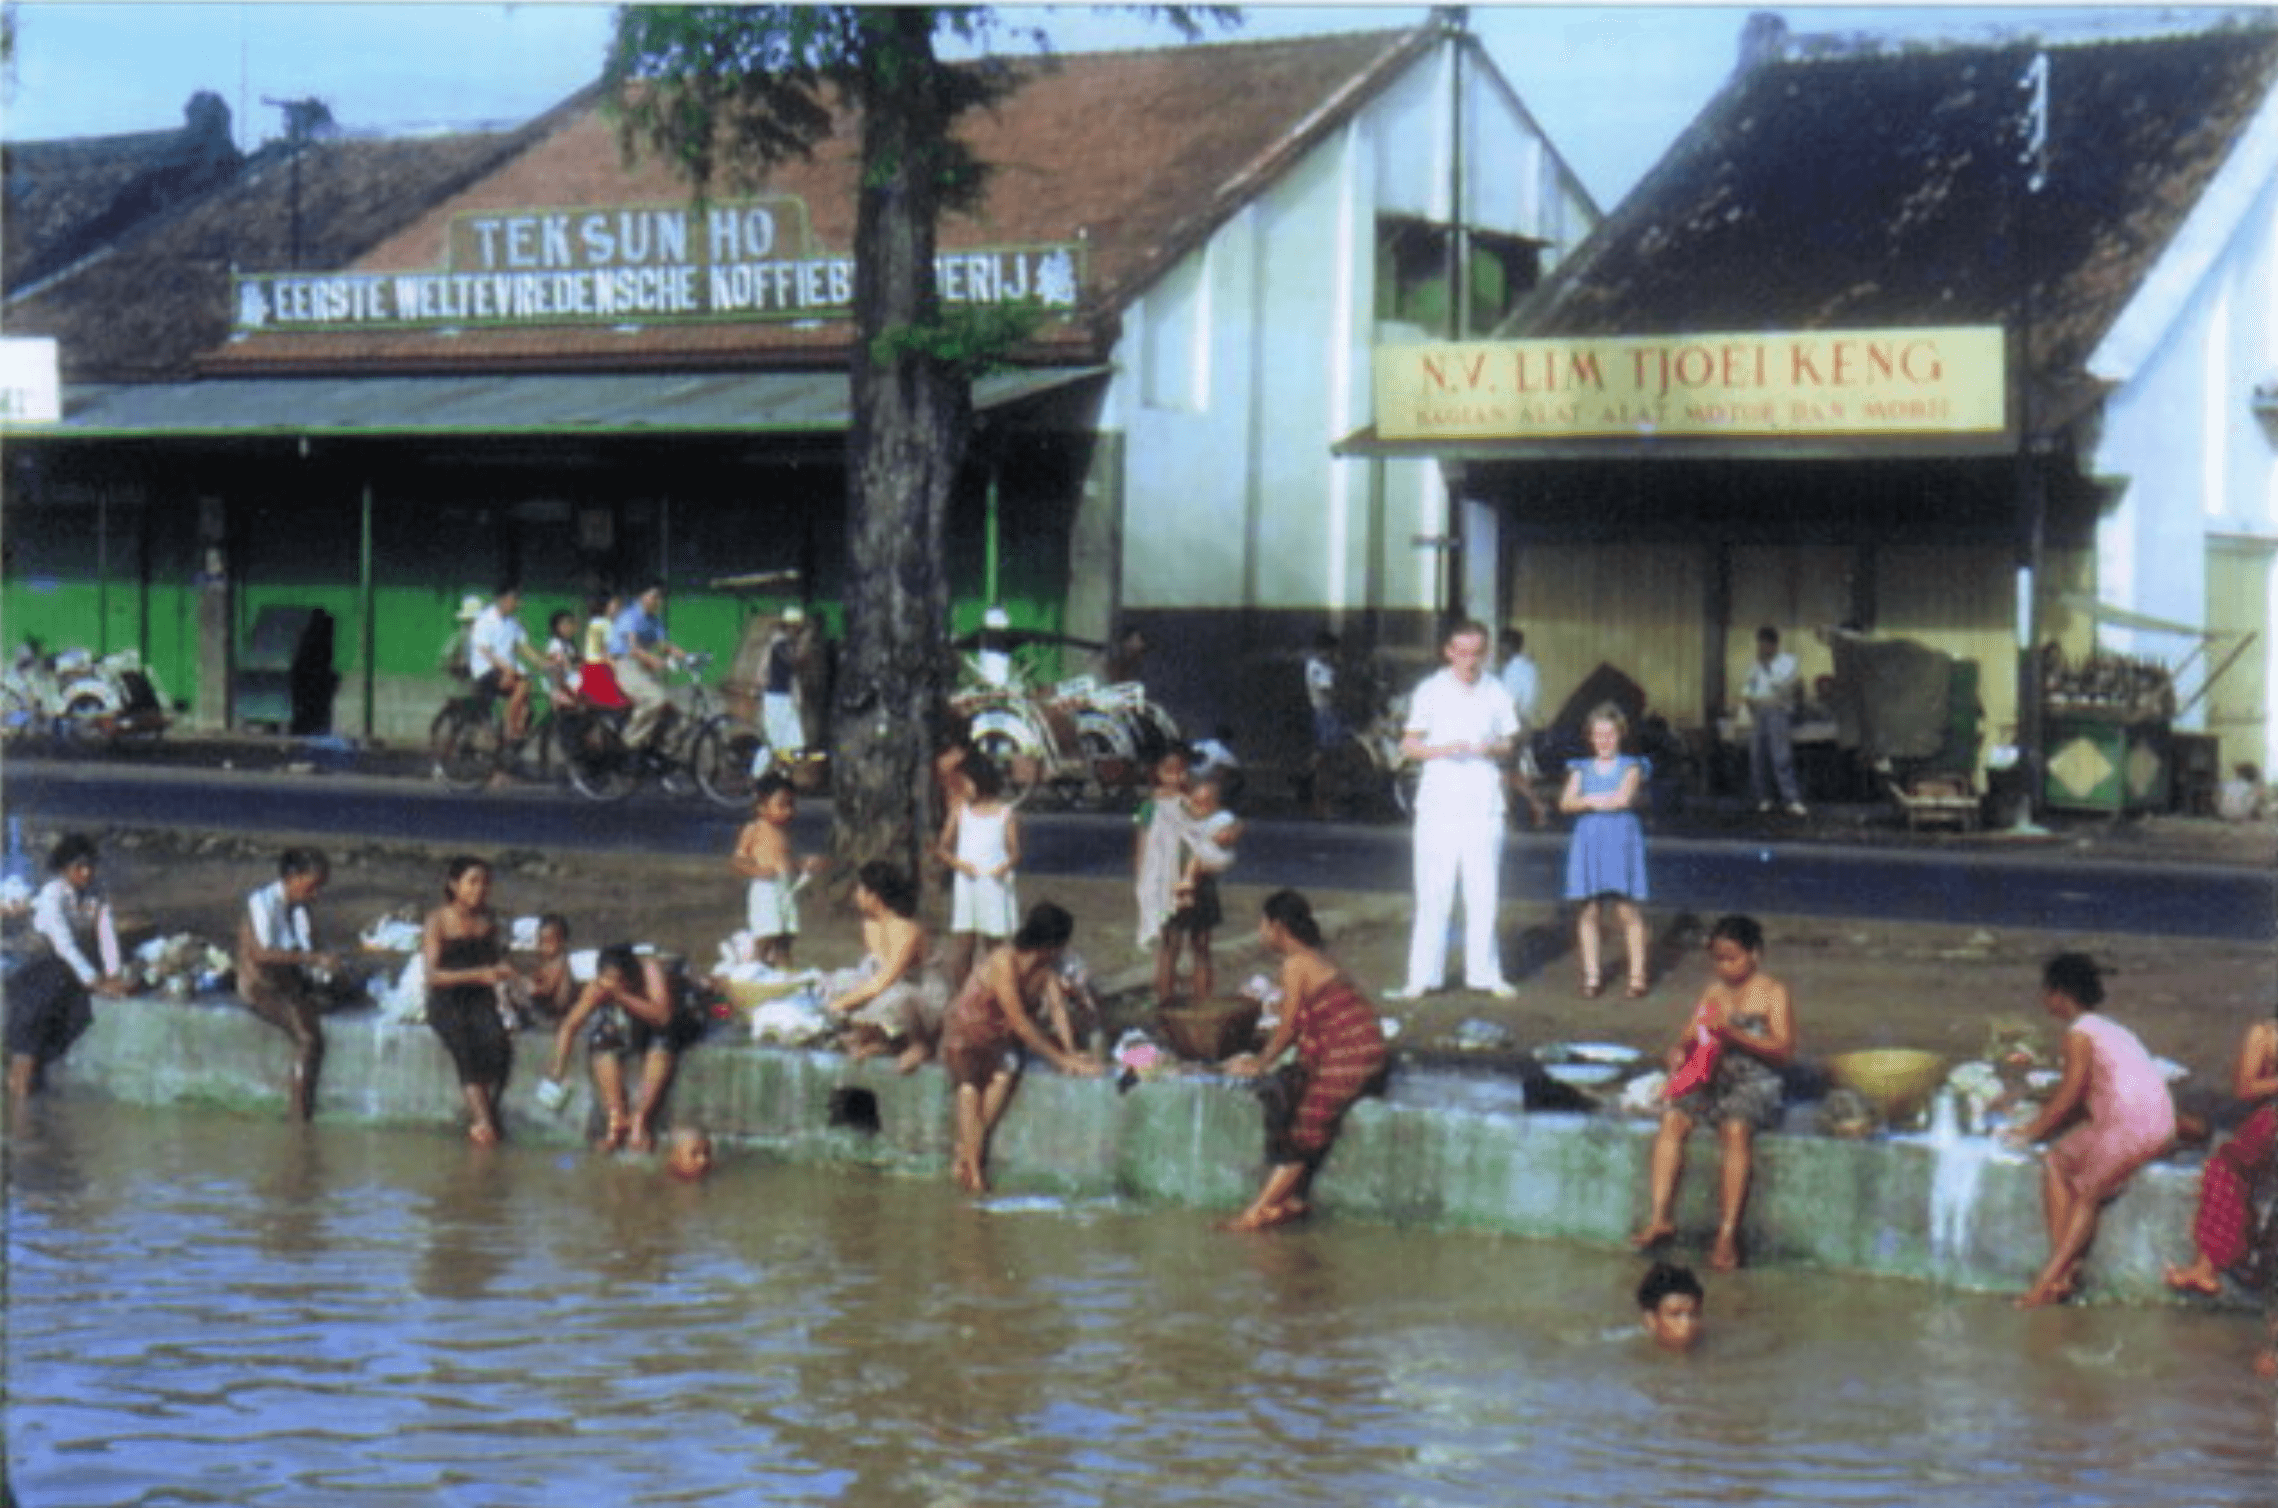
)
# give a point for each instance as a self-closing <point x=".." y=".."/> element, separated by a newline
<point x="277" y="926"/>
<point x="1771" y="682"/>
<point x="1524" y="683"/>
<point x="1447" y="711"/>
<point x="59" y="913"/>
<point x="1320" y="682"/>
<point x="491" y="643"/>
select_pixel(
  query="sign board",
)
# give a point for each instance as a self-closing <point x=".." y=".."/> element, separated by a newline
<point x="1942" y="381"/>
<point x="30" y="390"/>
<point x="640" y="264"/>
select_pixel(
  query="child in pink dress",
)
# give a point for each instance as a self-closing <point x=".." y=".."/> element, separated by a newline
<point x="2125" y="1118"/>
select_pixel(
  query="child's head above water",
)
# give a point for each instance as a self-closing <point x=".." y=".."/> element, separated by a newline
<point x="1669" y="1301"/>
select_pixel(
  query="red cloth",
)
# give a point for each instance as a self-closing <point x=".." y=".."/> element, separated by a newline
<point x="1700" y="1058"/>
<point x="2226" y="1190"/>
<point x="597" y="683"/>
<point x="1343" y="1049"/>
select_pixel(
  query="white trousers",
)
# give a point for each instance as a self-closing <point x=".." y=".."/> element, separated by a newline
<point x="1459" y="851"/>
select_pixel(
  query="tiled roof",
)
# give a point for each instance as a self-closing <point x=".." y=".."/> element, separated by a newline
<point x="65" y="198"/>
<point x="1886" y="190"/>
<point x="1137" y="154"/>
<point x="141" y="306"/>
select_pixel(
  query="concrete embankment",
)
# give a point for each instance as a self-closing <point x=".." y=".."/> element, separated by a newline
<point x="1444" y="1151"/>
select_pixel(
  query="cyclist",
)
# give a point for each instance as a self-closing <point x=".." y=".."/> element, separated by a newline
<point x="497" y="648"/>
<point x="639" y="652"/>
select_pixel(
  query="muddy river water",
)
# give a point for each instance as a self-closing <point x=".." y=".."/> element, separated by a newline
<point x="210" y="1309"/>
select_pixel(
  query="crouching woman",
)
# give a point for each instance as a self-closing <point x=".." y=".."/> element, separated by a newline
<point x="1341" y="1055"/>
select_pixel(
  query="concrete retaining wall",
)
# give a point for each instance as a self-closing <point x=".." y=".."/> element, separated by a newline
<point x="1443" y="1151"/>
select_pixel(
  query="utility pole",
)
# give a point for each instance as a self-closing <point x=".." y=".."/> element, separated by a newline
<point x="304" y="118"/>
<point x="2032" y="478"/>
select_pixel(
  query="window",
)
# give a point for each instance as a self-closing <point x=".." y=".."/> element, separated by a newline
<point x="1412" y="268"/>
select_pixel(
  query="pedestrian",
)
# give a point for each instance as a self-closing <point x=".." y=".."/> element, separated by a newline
<point x="2115" y="1102"/>
<point x="1123" y="662"/>
<point x="765" y="857"/>
<point x="635" y="1006"/>
<point x="281" y="975"/>
<point x="1341" y="1055"/>
<point x="639" y="652"/>
<point x="1770" y="691"/>
<point x="991" y="1019"/>
<point x="1460" y="727"/>
<point x="1724" y="1071"/>
<point x="50" y="996"/>
<point x="980" y="842"/>
<point x="1524" y="682"/>
<point x="2224" y="1229"/>
<point x="1209" y="833"/>
<point x="1157" y="839"/>
<point x="1605" y="860"/>
<point x="497" y="649"/>
<point x="780" y="724"/>
<point x="463" y="952"/>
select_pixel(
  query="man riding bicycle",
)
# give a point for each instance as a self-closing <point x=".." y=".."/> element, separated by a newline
<point x="639" y="652"/>
<point x="496" y="646"/>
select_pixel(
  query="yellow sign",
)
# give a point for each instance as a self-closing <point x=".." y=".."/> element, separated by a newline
<point x="1943" y="381"/>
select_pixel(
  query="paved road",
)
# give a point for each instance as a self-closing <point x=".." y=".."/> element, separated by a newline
<point x="1996" y="888"/>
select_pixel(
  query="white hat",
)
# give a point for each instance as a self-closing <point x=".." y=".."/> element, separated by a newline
<point x="794" y="614"/>
<point x="996" y="617"/>
<point x="470" y="608"/>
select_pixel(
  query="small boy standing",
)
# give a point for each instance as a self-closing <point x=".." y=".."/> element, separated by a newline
<point x="1211" y="832"/>
<point x="764" y="857"/>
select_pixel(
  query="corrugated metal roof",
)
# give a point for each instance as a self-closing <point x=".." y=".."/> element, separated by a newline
<point x="592" y="404"/>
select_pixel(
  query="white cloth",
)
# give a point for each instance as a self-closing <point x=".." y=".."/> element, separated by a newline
<point x="493" y="642"/>
<point x="1459" y="828"/>
<point x="1162" y="838"/>
<point x="1320" y="682"/>
<point x="65" y="916"/>
<point x="1524" y="683"/>
<point x="780" y="724"/>
<point x="983" y="903"/>
<point x="279" y="926"/>
<point x="771" y="907"/>
<point x="1202" y="841"/>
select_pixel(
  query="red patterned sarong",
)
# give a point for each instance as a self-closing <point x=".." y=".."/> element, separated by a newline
<point x="1343" y="1050"/>
<point x="2226" y="1190"/>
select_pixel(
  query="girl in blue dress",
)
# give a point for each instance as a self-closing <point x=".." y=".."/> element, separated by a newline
<point x="1607" y="855"/>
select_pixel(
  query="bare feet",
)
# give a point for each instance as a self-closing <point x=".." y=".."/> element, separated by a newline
<point x="2057" y="1291"/>
<point x="967" y="1172"/>
<point x="614" y="1138"/>
<point x="2266" y="1365"/>
<point x="641" y="1138"/>
<point x="1268" y="1216"/>
<point x="483" y="1134"/>
<point x="2199" y="1277"/>
<point x="1653" y="1235"/>
<point x="1724" y="1256"/>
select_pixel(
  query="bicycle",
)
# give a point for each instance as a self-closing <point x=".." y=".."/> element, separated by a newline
<point x="701" y="748"/>
<point x="469" y="744"/>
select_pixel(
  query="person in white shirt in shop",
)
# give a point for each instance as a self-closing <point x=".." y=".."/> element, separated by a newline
<point x="1770" y="692"/>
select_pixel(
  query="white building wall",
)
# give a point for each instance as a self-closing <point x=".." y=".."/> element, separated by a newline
<point x="2180" y="431"/>
<point x="1231" y="498"/>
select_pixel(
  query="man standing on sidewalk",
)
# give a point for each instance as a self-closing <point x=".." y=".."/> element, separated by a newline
<point x="1770" y="693"/>
<point x="1460" y="728"/>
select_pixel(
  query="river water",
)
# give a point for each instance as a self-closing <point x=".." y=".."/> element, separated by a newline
<point x="205" y="1309"/>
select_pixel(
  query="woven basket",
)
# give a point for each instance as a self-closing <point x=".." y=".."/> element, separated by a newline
<point x="1895" y="1080"/>
<point x="1210" y="1032"/>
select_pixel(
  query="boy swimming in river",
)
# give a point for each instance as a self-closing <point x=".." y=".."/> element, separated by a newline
<point x="1669" y="1302"/>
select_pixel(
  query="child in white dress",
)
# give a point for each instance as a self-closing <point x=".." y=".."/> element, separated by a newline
<point x="981" y="845"/>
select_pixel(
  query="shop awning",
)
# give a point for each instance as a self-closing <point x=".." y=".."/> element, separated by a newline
<point x="742" y="403"/>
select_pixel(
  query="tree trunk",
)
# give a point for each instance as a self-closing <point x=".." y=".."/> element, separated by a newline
<point x="905" y="443"/>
